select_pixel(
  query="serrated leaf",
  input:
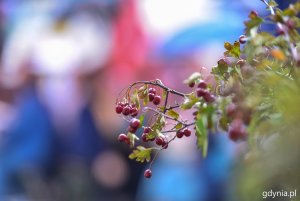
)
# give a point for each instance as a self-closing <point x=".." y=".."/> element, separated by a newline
<point x="173" y="114"/>
<point x="254" y="22"/>
<point x="234" y="50"/>
<point x="189" y="101"/>
<point x="201" y="134"/>
<point x="141" y="154"/>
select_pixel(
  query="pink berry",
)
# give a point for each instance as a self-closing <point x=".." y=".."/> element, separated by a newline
<point x="134" y="112"/>
<point x="242" y="39"/>
<point x="201" y="92"/>
<point x="191" y="84"/>
<point x="156" y="100"/>
<point x="135" y="123"/>
<point x="147" y="130"/>
<point x="237" y="130"/>
<point x="180" y="133"/>
<point x="152" y="90"/>
<point x="119" y="109"/>
<point x="148" y="173"/>
<point x="126" y="110"/>
<point x="151" y="96"/>
<point x="187" y="132"/>
<point x="202" y="84"/>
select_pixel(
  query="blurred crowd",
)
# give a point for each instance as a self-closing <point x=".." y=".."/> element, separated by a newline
<point x="62" y="66"/>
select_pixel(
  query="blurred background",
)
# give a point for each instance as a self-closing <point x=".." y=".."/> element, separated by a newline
<point x="62" y="66"/>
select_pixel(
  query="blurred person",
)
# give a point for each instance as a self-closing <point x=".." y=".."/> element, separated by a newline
<point x="66" y="60"/>
<point x="25" y="147"/>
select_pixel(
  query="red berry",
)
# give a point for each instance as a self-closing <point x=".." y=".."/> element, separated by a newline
<point x="223" y="63"/>
<point x="126" y="110"/>
<point x="156" y="100"/>
<point x="191" y="84"/>
<point x="230" y="110"/>
<point x="148" y="173"/>
<point x="195" y="113"/>
<point x="134" y="112"/>
<point x="152" y="90"/>
<point x="124" y="138"/>
<point x="131" y="129"/>
<point x="180" y="133"/>
<point x="151" y="96"/>
<point x="159" y="141"/>
<point x="165" y="145"/>
<point x="135" y="123"/>
<point x="242" y="39"/>
<point x="237" y="130"/>
<point x="187" y="132"/>
<point x="201" y="92"/>
<point x="209" y="98"/>
<point x="147" y="130"/>
<point x="202" y="84"/>
<point x="119" y="109"/>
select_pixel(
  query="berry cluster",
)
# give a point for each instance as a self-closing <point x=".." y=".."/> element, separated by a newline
<point x="126" y="109"/>
<point x="162" y="141"/>
<point x="185" y="132"/>
<point x="145" y="135"/>
<point x="202" y="91"/>
<point x="153" y="97"/>
<point x="134" y="125"/>
<point x="240" y="118"/>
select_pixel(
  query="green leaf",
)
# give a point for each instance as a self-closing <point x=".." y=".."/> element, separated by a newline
<point x="173" y="114"/>
<point x="201" y="134"/>
<point x="142" y="118"/>
<point x="141" y="154"/>
<point x="178" y="126"/>
<point x="189" y="101"/>
<point x="254" y="22"/>
<point x="233" y="50"/>
<point x="156" y="127"/>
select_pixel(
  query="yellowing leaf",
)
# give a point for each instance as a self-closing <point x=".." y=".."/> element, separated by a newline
<point x="278" y="54"/>
<point x="173" y="114"/>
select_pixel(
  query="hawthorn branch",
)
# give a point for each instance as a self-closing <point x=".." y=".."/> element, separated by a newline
<point x="163" y="114"/>
<point x="286" y="34"/>
<point x="159" y="84"/>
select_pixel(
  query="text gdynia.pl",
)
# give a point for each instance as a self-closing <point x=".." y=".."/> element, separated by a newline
<point x="281" y="193"/>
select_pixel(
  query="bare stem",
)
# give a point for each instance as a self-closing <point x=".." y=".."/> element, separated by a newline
<point x="166" y="102"/>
